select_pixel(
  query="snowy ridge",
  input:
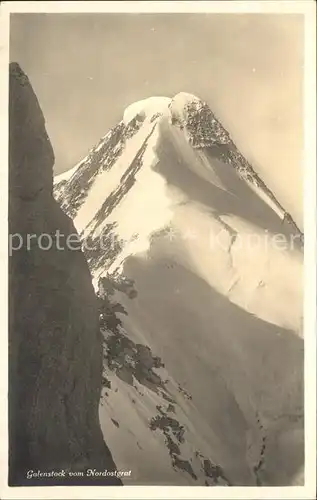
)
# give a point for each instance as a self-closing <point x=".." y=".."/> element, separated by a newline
<point x="197" y="320"/>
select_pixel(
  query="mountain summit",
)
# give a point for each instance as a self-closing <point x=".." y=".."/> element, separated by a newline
<point x="201" y="129"/>
<point x="198" y="272"/>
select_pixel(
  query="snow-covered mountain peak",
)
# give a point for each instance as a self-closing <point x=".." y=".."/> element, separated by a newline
<point x="146" y="108"/>
<point x="179" y="106"/>
<point x="148" y="166"/>
<point x="179" y="232"/>
<point x="187" y="111"/>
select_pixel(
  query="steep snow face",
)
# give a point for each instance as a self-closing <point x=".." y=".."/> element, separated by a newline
<point x="200" y="287"/>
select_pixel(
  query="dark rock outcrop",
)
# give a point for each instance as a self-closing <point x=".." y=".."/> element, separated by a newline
<point x="55" y="349"/>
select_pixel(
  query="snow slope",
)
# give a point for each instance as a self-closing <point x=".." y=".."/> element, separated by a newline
<point x="198" y="270"/>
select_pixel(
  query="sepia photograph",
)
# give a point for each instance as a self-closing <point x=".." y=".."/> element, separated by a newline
<point x="156" y="276"/>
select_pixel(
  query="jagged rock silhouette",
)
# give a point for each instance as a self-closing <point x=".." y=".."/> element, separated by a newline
<point x="55" y="348"/>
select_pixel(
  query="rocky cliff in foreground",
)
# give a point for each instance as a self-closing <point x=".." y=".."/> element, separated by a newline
<point x="55" y="353"/>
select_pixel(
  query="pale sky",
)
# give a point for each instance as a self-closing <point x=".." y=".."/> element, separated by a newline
<point x="86" y="68"/>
